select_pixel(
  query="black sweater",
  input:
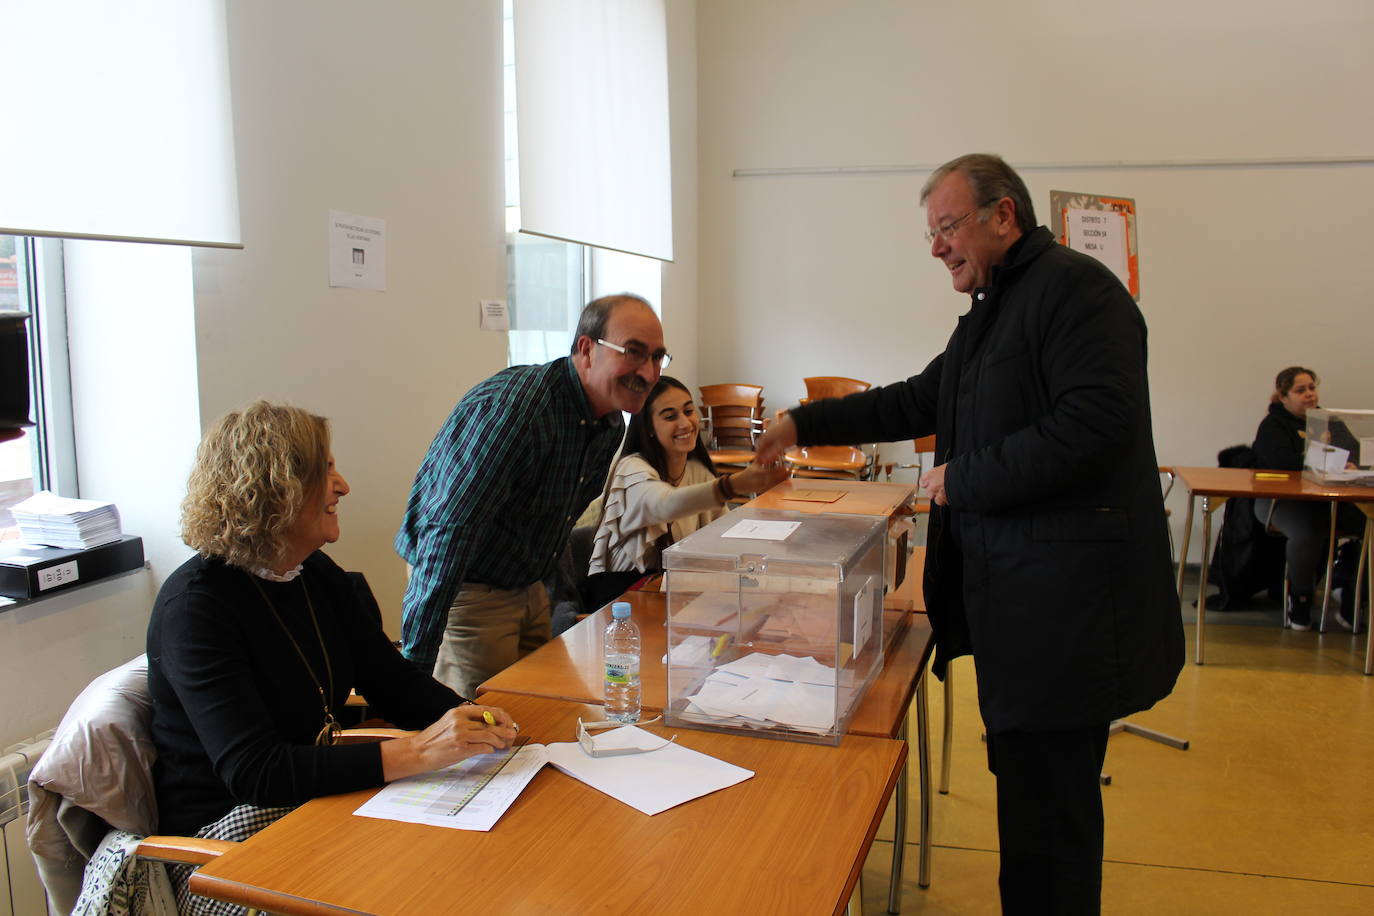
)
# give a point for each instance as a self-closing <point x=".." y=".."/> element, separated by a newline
<point x="235" y="712"/>
<point x="1281" y="440"/>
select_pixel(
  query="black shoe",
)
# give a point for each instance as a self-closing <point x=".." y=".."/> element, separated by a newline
<point x="1300" y="612"/>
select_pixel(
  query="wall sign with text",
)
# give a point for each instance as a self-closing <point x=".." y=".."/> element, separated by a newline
<point x="1103" y="227"/>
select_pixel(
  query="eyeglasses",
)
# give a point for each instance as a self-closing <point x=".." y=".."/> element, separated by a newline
<point x="947" y="231"/>
<point x="638" y="354"/>
<point x="613" y="745"/>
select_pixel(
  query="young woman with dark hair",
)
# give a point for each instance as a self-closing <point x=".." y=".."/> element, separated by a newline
<point x="662" y="490"/>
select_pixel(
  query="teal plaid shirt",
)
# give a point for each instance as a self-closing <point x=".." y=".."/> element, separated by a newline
<point x="512" y="468"/>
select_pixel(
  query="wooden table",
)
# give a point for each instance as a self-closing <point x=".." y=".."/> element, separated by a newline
<point x="792" y="839"/>
<point x="1214" y="486"/>
<point x="571" y="667"/>
<point x="856" y="497"/>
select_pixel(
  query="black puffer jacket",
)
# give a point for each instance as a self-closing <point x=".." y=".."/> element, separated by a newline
<point x="1055" y="569"/>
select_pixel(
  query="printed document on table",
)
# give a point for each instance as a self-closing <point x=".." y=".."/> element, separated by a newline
<point x="431" y="798"/>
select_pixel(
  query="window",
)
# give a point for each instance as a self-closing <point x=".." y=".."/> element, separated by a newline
<point x="42" y="457"/>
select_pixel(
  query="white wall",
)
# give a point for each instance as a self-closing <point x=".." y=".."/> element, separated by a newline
<point x="1244" y="270"/>
<point x="385" y="113"/>
<point x="50" y="649"/>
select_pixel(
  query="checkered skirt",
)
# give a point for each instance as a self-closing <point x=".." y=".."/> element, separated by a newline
<point x="236" y="826"/>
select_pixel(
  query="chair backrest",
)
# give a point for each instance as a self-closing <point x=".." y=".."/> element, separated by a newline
<point x="842" y="462"/>
<point x="833" y="386"/>
<point x="732" y="415"/>
<point x="732" y="394"/>
<point x="96" y="774"/>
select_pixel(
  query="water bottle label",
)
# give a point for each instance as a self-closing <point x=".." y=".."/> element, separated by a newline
<point x="620" y="674"/>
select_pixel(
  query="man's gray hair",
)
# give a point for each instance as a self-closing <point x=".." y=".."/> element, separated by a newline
<point x="597" y="313"/>
<point x="990" y="179"/>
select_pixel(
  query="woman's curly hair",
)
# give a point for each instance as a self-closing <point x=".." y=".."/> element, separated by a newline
<point x="253" y="472"/>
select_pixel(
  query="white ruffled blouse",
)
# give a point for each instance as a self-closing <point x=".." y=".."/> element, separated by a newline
<point x="641" y="507"/>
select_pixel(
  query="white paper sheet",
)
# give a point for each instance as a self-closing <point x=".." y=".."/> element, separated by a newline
<point x="650" y="782"/>
<point x="692" y="652"/>
<point x="357" y="251"/>
<point x="1326" y="458"/>
<point x="762" y="530"/>
<point x="495" y="316"/>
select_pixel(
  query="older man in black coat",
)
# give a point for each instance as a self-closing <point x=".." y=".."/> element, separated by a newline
<point x="1048" y="554"/>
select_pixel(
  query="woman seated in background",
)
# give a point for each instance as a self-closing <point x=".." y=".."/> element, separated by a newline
<point x="1281" y="444"/>
<point x="255" y="643"/>
<point x="661" y="491"/>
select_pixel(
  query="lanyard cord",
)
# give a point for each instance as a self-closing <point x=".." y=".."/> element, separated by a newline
<point x="329" y="732"/>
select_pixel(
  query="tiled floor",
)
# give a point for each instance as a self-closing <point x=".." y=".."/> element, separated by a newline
<point x="1270" y="811"/>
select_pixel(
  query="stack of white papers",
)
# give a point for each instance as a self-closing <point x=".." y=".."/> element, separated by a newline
<point x="763" y="691"/>
<point x="55" y="521"/>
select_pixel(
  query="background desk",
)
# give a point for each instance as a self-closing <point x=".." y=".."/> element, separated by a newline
<point x="792" y="839"/>
<point x="1214" y="486"/>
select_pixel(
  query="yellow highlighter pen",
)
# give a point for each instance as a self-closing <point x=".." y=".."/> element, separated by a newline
<point x="488" y="718"/>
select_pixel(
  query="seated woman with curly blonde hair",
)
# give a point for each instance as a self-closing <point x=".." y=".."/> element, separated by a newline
<point x="255" y="643"/>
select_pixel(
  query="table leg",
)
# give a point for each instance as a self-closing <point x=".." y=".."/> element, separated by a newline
<point x="1183" y="553"/>
<point x="1368" y="510"/>
<point x="1207" y="510"/>
<point x="1354" y="611"/>
<point x="948" y="731"/>
<point x="894" y="887"/>
<point x="1330" y="562"/>
<point x="923" y="757"/>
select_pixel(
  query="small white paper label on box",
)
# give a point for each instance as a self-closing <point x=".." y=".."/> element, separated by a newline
<point x="863" y="616"/>
<point x="61" y="574"/>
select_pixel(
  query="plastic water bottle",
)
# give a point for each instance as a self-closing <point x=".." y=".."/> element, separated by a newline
<point x="622" y="665"/>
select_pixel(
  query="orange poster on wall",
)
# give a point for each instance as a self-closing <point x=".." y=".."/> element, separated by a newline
<point x="1104" y="227"/>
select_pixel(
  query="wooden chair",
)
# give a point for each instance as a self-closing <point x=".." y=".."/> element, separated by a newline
<point x="842" y="462"/>
<point x="732" y="420"/>
<point x="833" y="386"/>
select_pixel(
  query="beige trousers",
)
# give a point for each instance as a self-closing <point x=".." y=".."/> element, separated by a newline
<point x="489" y="629"/>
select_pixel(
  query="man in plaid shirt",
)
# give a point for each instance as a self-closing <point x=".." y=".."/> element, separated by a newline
<point x="515" y="464"/>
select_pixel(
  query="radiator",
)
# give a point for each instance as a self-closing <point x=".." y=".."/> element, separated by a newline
<point x="21" y="893"/>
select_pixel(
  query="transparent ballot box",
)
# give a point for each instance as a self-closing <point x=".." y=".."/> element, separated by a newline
<point x="1340" y="446"/>
<point x="774" y="622"/>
